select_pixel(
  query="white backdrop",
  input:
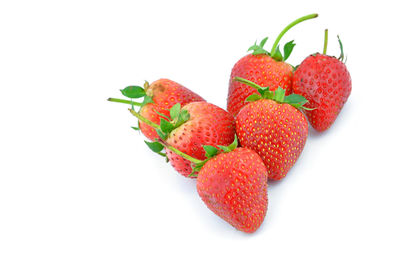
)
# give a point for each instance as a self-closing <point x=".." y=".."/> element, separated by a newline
<point x="78" y="186"/>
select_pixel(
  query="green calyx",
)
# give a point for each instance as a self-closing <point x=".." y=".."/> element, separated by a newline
<point x="278" y="95"/>
<point x="134" y="92"/>
<point x="178" y="117"/>
<point x="275" y="51"/>
<point x="212" y="151"/>
<point x="341" y="56"/>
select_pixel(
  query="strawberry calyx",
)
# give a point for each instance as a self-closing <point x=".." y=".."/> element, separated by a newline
<point x="178" y="117"/>
<point x="135" y="92"/>
<point x="287" y="48"/>
<point x="278" y="95"/>
<point x="341" y="56"/>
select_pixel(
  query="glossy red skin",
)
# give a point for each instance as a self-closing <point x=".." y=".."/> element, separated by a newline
<point x="262" y="70"/>
<point x="275" y="131"/>
<point x="165" y="94"/>
<point x="325" y="82"/>
<point x="208" y="125"/>
<point x="234" y="186"/>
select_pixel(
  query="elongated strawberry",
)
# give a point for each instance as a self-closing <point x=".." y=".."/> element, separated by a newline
<point x="263" y="68"/>
<point x="232" y="182"/>
<point x="325" y="82"/>
<point x="159" y="97"/>
<point x="272" y="126"/>
<point x="191" y="127"/>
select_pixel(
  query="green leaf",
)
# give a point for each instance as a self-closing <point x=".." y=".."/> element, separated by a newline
<point x="135" y="128"/>
<point x="278" y="55"/>
<point x="279" y="94"/>
<point x="341" y="57"/>
<point x="166" y="126"/>
<point x="262" y="43"/>
<point x="162" y="115"/>
<point x="258" y="49"/>
<point x="210" y="150"/>
<point x="147" y="100"/>
<point x="174" y="111"/>
<point x="183" y="117"/>
<point x="287" y="49"/>
<point x="230" y="147"/>
<point x="253" y="97"/>
<point x="155" y="146"/>
<point x="295" y="98"/>
<point x="265" y="93"/>
<point x="161" y="134"/>
<point x="133" y="92"/>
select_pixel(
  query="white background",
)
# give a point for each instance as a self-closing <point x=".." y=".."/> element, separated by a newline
<point x="78" y="186"/>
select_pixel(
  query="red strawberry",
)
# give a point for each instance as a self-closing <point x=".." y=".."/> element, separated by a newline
<point x="274" y="128"/>
<point x="208" y="125"/>
<point x="159" y="97"/>
<point x="189" y="129"/>
<point x="234" y="186"/>
<point x="263" y="68"/>
<point x="325" y="82"/>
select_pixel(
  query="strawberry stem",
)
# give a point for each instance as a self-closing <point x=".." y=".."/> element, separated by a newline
<point x="124" y="101"/>
<point x="325" y="42"/>
<point x="180" y="153"/>
<point x="143" y="119"/>
<point x="294" y="23"/>
<point x="248" y="82"/>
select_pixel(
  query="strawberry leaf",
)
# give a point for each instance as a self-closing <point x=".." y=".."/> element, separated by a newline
<point x="147" y="100"/>
<point x="278" y="55"/>
<point x="161" y="134"/>
<point x="135" y="128"/>
<point x="166" y="126"/>
<point x="133" y="92"/>
<point x="259" y="49"/>
<point x="341" y="57"/>
<point x="287" y="49"/>
<point x="174" y="111"/>
<point x="155" y="146"/>
<point x="210" y="150"/>
<point x="253" y="97"/>
<point x="230" y="147"/>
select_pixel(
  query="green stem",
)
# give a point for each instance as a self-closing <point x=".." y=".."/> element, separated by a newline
<point x="180" y="153"/>
<point x="297" y="21"/>
<point x="124" y="101"/>
<point x="325" y="42"/>
<point x="248" y="82"/>
<point x="143" y="119"/>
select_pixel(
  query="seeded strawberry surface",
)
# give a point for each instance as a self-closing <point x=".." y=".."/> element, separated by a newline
<point x="165" y="94"/>
<point x="325" y="82"/>
<point x="277" y="132"/>
<point x="208" y="125"/>
<point x="262" y="70"/>
<point x="234" y="186"/>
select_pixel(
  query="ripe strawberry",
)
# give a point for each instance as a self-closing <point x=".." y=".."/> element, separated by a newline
<point x="208" y="125"/>
<point x="263" y="68"/>
<point x="159" y="97"/>
<point x="189" y="128"/>
<point x="232" y="182"/>
<point x="272" y="126"/>
<point x="325" y="82"/>
<point x="234" y="186"/>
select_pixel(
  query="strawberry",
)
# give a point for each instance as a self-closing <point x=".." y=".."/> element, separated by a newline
<point x="159" y="97"/>
<point x="267" y="69"/>
<point x="272" y="126"/>
<point x="325" y="82"/>
<point x="232" y="182"/>
<point x="191" y="127"/>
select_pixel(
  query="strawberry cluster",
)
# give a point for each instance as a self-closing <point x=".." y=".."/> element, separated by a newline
<point x="234" y="153"/>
